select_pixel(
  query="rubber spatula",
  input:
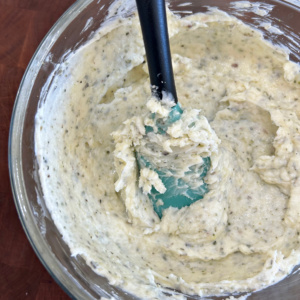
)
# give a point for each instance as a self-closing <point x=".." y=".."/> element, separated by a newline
<point x="153" y="20"/>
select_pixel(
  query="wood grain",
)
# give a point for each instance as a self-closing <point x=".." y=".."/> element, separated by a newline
<point x="23" y="25"/>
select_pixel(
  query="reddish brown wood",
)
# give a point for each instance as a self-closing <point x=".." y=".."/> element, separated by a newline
<point x="23" y="25"/>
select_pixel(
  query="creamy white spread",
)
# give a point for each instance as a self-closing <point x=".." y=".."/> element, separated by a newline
<point x="244" y="234"/>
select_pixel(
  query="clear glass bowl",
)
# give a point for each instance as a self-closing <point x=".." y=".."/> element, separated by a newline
<point x="73" y="275"/>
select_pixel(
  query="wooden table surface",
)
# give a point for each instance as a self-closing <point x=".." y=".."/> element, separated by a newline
<point x="23" y="24"/>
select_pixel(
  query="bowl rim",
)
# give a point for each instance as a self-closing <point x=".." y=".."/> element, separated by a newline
<point x="25" y="214"/>
<point x="34" y="236"/>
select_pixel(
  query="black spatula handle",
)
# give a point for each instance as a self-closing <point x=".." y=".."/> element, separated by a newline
<point x="153" y="19"/>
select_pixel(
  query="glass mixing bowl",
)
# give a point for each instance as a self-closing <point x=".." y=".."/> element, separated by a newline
<point x="72" y="30"/>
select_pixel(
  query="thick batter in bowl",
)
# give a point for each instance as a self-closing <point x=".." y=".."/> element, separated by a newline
<point x="243" y="100"/>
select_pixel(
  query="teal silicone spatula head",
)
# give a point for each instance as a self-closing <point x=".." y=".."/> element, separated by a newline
<point x="179" y="190"/>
